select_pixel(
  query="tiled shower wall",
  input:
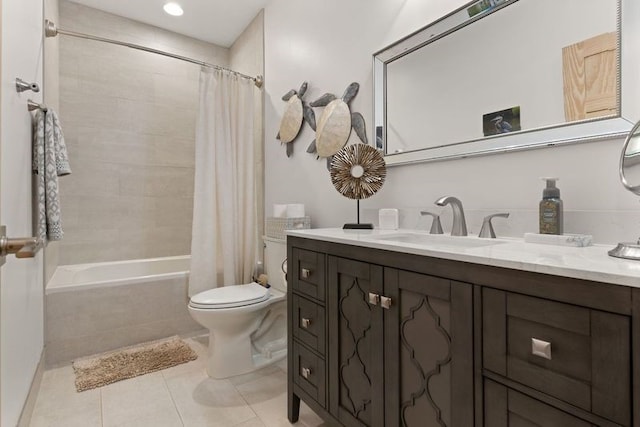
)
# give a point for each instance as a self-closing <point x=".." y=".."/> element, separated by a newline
<point x="129" y="121"/>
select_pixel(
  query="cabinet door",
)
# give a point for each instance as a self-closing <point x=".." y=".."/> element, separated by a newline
<point x="428" y="342"/>
<point x="355" y="343"/>
<point x="508" y="408"/>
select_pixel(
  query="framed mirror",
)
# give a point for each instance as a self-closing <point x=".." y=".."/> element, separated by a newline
<point x="503" y="75"/>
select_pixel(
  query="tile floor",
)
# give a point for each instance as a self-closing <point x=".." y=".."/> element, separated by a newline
<point x="180" y="396"/>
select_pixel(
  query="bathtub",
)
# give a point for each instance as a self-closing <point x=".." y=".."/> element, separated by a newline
<point x="98" y="307"/>
<point x="68" y="278"/>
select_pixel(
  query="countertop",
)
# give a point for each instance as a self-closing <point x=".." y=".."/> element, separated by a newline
<point x="588" y="263"/>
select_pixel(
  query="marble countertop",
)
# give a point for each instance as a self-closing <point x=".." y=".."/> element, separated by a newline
<point x="588" y="263"/>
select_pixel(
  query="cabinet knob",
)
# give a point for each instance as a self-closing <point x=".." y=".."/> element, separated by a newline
<point x="385" y="302"/>
<point x="541" y="348"/>
<point x="305" y="372"/>
<point x="306" y="273"/>
<point x="305" y="323"/>
<point x="374" y="299"/>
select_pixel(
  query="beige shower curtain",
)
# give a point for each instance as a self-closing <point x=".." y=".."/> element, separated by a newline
<point x="225" y="214"/>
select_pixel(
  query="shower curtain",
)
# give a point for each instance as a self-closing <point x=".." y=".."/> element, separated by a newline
<point x="225" y="212"/>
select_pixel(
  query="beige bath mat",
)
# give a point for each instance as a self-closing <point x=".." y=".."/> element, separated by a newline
<point x="106" y="368"/>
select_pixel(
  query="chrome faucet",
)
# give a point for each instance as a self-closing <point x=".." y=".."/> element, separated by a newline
<point x="459" y="224"/>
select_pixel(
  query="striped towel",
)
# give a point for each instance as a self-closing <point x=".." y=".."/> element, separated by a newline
<point x="50" y="160"/>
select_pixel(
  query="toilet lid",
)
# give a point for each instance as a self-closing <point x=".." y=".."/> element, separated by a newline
<point x="230" y="296"/>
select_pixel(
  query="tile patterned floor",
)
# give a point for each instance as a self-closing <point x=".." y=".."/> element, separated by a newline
<point x="182" y="396"/>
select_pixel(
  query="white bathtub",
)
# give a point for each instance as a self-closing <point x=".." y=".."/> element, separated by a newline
<point x="93" y="308"/>
<point x="117" y="273"/>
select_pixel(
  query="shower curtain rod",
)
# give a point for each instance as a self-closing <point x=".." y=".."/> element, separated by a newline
<point x="50" y="30"/>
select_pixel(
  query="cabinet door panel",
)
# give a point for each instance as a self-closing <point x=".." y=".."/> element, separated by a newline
<point x="422" y="338"/>
<point x="509" y="408"/>
<point x="588" y="364"/>
<point x="306" y="270"/>
<point x="355" y="334"/>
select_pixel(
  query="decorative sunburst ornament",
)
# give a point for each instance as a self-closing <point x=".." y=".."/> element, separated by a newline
<point x="358" y="172"/>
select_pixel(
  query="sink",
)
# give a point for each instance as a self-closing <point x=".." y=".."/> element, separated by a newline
<point x="437" y="240"/>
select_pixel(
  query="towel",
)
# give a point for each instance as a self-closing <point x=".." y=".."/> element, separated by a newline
<point x="50" y="160"/>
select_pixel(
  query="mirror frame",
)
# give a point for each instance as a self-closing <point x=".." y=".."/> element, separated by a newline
<point x="581" y="131"/>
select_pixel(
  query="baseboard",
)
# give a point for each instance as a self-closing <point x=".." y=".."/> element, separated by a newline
<point x="29" y="405"/>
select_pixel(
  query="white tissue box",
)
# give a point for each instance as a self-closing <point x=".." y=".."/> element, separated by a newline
<point x="576" y="240"/>
<point x="388" y="219"/>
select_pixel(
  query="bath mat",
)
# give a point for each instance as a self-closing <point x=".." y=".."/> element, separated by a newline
<point x="107" y="368"/>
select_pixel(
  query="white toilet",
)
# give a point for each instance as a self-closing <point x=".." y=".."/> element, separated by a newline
<point x="247" y="323"/>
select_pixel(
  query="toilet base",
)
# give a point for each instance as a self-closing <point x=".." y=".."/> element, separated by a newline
<point x="225" y="361"/>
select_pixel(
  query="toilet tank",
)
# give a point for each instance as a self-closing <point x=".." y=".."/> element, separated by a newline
<point x="275" y="254"/>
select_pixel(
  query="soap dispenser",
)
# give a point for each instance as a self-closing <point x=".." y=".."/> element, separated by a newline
<point x="551" y="209"/>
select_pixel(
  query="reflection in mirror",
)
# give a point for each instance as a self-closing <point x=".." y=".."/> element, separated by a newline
<point x="630" y="161"/>
<point x="475" y="83"/>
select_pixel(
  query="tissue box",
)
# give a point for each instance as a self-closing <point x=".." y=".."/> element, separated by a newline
<point x="276" y="226"/>
<point x="388" y="219"/>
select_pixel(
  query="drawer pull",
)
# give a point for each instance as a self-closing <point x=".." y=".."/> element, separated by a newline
<point x="541" y="348"/>
<point x="305" y="372"/>
<point x="305" y="323"/>
<point x="385" y="302"/>
<point x="306" y="273"/>
<point x="374" y="299"/>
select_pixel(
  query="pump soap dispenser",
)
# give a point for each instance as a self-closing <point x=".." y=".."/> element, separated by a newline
<point x="551" y="209"/>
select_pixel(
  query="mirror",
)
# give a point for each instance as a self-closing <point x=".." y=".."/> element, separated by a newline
<point x="630" y="177"/>
<point x="501" y="75"/>
<point x="630" y="161"/>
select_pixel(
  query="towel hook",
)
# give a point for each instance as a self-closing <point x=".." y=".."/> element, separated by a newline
<point x="22" y="86"/>
<point x="32" y="106"/>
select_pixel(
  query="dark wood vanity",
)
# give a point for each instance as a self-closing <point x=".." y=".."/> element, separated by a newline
<point x="383" y="338"/>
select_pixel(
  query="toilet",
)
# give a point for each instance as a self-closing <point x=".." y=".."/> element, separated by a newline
<point x="247" y="323"/>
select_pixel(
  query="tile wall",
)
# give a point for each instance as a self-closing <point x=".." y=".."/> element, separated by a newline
<point x="129" y="121"/>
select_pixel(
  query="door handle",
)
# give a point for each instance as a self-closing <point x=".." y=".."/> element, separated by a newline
<point x="22" y="247"/>
<point x="385" y="302"/>
<point x="541" y="348"/>
<point x="374" y="299"/>
<point x="305" y="323"/>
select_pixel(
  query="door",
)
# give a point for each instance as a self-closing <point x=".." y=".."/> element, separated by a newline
<point x="21" y="281"/>
<point x="589" y="70"/>
<point x="355" y="342"/>
<point x="428" y="345"/>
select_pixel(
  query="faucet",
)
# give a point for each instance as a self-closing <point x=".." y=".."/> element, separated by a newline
<point x="459" y="224"/>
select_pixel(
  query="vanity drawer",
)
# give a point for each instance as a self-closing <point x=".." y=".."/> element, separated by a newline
<point x="307" y="270"/>
<point x="576" y="354"/>
<point x="309" y="373"/>
<point x="308" y="323"/>
<point x="504" y="407"/>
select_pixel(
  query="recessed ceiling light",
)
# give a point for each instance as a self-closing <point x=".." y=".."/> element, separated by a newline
<point x="173" y="9"/>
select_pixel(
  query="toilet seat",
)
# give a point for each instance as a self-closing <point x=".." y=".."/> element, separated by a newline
<point x="230" y="296"/>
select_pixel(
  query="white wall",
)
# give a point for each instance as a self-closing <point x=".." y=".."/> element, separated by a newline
<point x="21" y="296"/>
<point x="330" y="43"/>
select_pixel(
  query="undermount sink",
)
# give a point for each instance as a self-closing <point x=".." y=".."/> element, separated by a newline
<point x="439" y="240"/>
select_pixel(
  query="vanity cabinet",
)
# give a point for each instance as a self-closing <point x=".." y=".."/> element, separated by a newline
<point x="381" y="338"/>
<point x="399" y="345"/>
